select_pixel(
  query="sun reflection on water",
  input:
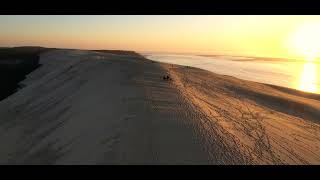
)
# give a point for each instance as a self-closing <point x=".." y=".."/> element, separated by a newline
<point x="308" y="78"/>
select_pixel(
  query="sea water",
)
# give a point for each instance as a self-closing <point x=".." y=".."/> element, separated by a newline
<point x="296" y="74"/>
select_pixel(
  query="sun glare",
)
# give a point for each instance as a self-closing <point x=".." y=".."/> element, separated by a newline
<point x="306" y="41"/>
<point x="308" y="78"/>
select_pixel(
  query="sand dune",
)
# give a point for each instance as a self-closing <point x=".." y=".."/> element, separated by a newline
<point x="86" y="107"/>
<point x="264" y="124"/>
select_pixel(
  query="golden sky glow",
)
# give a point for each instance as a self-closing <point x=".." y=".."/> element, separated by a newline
<point x="306" y="40"/>
<point x="271" y="36"/>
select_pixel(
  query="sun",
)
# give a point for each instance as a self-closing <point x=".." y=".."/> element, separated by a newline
<point x="305" y="41"/>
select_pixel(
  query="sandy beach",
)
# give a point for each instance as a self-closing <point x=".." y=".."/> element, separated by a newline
<point x="86" y="107"/>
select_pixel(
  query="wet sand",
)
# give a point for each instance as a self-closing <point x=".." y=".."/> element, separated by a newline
<point x="85" y="107"/>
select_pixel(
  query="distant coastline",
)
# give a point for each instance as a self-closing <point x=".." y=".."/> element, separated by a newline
<point x="254" y="58"/>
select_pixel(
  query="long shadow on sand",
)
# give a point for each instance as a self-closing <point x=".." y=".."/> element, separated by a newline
<point x="281" y="104"/>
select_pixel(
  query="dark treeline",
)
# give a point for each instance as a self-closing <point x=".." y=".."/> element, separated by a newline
<point x="15" y="64"/>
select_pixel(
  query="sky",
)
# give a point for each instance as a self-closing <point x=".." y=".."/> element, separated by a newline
<point x="268" y="36"/>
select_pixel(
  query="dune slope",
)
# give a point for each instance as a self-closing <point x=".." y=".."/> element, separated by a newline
<point x="265" y="124"/>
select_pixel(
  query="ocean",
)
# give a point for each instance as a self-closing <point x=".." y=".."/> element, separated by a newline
<point x="296" y="74"/>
